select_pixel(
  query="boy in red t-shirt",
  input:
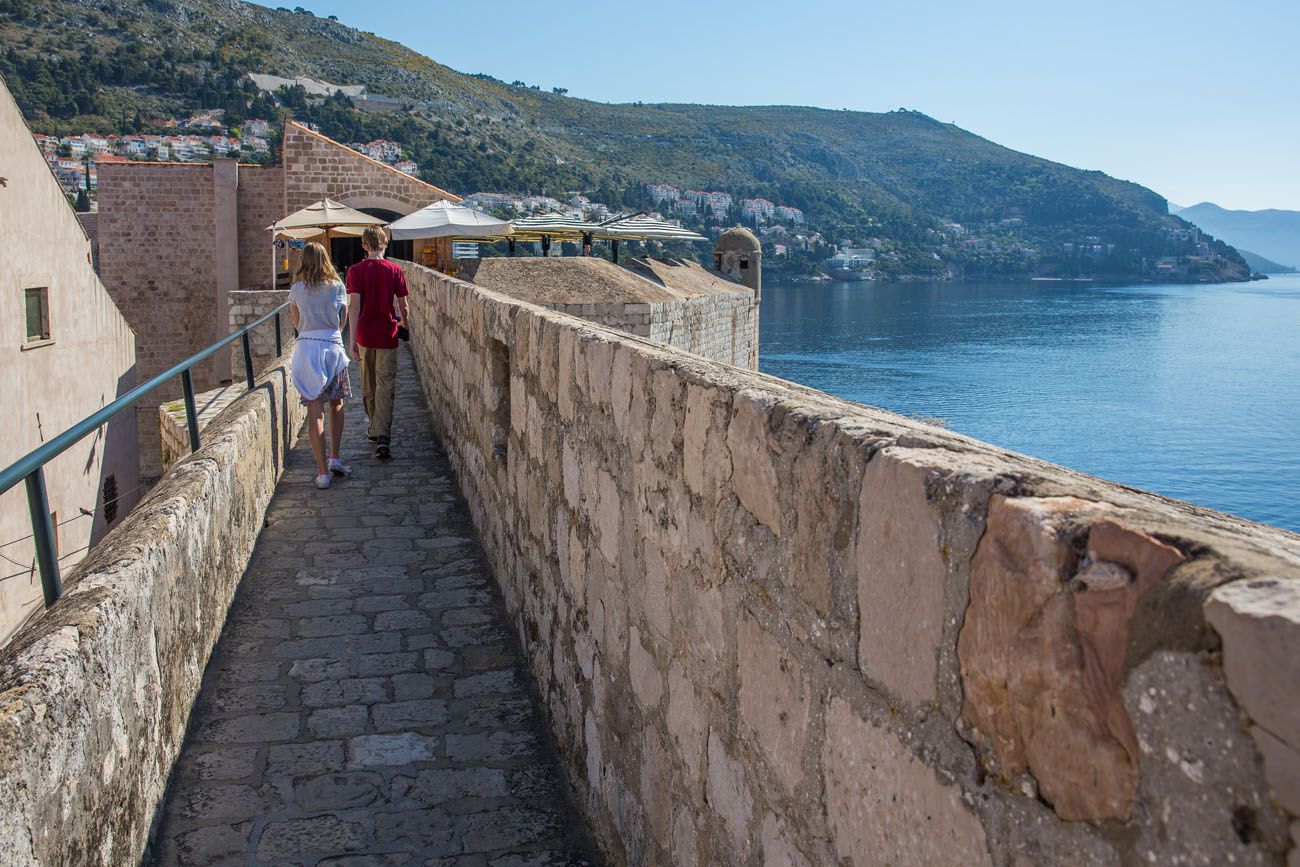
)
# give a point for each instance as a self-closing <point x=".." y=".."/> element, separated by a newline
<point x="378" y="285"/>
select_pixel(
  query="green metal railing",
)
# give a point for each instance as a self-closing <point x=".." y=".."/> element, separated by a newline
<point x="31" y="468"/>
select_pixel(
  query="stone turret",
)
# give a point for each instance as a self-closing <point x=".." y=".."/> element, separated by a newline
<point x="739" y="255"/>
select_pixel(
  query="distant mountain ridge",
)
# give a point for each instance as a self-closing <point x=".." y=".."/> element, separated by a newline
<point x="105" y="65"/>
<point x="1273" y="234"/>
<point x="1261" y="265"/>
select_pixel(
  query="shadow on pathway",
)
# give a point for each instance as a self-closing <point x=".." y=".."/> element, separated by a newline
<point x="367" y="703"/>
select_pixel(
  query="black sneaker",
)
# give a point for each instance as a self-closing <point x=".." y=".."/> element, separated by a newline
<point x="373" y="439"/>
<point x="381" y="450"/>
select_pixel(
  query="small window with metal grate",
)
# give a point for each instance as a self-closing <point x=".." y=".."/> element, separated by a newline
<point x="110" y="499"/>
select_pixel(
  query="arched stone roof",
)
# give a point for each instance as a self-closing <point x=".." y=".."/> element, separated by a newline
<point x="738" y="240"/>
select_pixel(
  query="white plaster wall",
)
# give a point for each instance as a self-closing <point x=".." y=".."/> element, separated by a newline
<point x="47" y="389"/>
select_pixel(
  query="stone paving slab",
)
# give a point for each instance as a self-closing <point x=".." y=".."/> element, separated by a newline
<point x="367" y="703"/>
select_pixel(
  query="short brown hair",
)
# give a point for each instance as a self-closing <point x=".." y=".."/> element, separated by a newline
<point x="374" y="238"/>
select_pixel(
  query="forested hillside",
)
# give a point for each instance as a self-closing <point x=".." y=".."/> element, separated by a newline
<point x="900" y="177"/>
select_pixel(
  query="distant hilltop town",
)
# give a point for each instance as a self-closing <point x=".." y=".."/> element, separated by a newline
<point x="199" y="138"/>
<point x="691" y="202"/>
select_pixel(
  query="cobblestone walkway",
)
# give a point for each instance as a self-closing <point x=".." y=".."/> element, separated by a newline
<point x="366" y="704"/>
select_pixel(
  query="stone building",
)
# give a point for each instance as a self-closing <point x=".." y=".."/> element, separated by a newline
<point x="739" y="255"/>
<point x="65" y="351"/>
<point x="175" y="239"/>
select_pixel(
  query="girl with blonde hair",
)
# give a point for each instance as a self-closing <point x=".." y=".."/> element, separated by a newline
<point x="320" y="363"/>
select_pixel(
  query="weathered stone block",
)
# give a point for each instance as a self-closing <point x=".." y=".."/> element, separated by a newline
<point x="753" y="473"/>
<point x="647" y="681"/>
<point x="296" y="837"/>
<point x="255" y="728"/>
<point x="213" y="843"/>
<point x="1199" y="776"/>
<point x="372" y="751"/>
<point x="418" y="714"/>
<point x="229" y="763"/>
<point x="1259" y="621"/>
<point x="502" y="680"/>
<point x="621" y="386"/>
<point x="501" y="829"/>
<point x="656" y="596"/>
<point x="686" y="719"/>
<point x="729" y="794"/>
<point x="699" y="416"/>
<point x="598" y="356"/>
<point x="299" y="760"/>
<point x="775" y="700"/>
<point x="572" y="478"/>
<point x="354" y="690"/>
<point x="491" y="747"/>
<point x="1281" y="768"/>
<point x="885" y="806"/>
<point x="338" y="791"/>
<point x="778" y="850"/>
<point x="337" y="721"/>
<point x="606" y="511"/>
<point x="701" y="610"/>
<point x="1042" y="649"/>
<point x="227" y="803"/>
<point x="901" y="576"/>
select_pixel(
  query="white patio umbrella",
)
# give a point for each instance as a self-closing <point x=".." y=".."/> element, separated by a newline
<point x="322" y="216"/>
<point x="326" y="216"/>
<point x="447" y="220"/>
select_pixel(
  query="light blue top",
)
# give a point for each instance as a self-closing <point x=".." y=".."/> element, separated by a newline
<point x="318" y="307"/>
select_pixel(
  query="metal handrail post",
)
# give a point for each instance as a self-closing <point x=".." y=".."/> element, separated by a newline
<point x="16" y="472"/>
<point x="38" y="502"/>
<point x="279" y="340"/>
<point x="248" y="360"/>
<point x="191" y="414"/>
<point x="30" y="469"/>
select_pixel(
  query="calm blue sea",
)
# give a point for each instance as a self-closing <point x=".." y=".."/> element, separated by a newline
<point x="1190" y="391"/>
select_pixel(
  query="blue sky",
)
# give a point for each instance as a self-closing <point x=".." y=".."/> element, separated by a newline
<point x="1198" y="100"/>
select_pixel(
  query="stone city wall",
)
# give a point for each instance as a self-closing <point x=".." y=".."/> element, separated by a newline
<point x="96" y="692"/>
<point x="261" y="203"/>
<point x="156" y="258"/>
<point x="723" y="327"/>
<point x="770" y="626"/>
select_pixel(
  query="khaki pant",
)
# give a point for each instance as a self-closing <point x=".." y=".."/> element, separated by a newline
<point x="378" y="380"/>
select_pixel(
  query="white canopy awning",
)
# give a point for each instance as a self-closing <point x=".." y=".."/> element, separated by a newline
<point x="447" y="220"/>
<point x="643" y="228"/>
<point x="551" y="226"/>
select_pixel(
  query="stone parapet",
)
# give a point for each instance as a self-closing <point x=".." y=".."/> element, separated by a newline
<point x="723" y="327"/>
<point x="771" y="626"/>
<point x="95" y="693"/>
<point x="248" y="306"/>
